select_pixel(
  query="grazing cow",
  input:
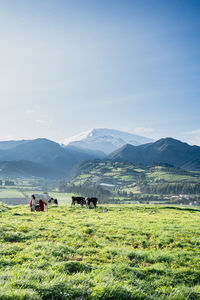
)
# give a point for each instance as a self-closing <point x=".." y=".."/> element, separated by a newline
<point x="40" y="201"/>
<point x="78" y="200"/>
<point x="92" y="200"/>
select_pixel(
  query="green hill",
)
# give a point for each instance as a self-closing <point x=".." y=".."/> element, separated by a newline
<point x="124" y="173"/>
<point x="130" y="182"/>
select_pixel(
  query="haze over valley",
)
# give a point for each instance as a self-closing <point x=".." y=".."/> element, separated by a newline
<point x="26" y="158"/>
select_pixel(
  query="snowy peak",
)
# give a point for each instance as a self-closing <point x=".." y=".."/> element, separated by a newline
<point x="77" y="137"/>
<point x="106" y="140"/>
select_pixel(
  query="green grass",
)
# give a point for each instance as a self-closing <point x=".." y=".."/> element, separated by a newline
<point x="113" y="252"/>
<point x="158" y="175"/>
<point x="107" y="172"/>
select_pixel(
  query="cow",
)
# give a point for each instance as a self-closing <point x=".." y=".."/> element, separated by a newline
<point x="92" y="200"/>
<point x="78" y="200"/>
<point x="40" y="201"/>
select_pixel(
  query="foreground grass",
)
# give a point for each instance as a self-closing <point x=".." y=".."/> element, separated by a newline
<point x="113" y="252"/>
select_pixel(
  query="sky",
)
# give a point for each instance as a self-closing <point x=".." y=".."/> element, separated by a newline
<point x="68" y="66"/>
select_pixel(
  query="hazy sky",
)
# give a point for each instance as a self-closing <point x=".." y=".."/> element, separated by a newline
<point x="68" y="66"/>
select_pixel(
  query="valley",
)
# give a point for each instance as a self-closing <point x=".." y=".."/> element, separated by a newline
<point x="164" y="171"/>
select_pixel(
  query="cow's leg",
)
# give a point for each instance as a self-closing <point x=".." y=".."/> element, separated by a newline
<point x="32" y="203"/>
<point x="32" y="208"/>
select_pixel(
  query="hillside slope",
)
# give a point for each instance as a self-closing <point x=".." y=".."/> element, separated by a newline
<point x="27" y="169"/>
<point x="47" y="153"/>
<point x="4" y="145"/>
<point x="166" y="150"/>
<point x="193" y="164"/>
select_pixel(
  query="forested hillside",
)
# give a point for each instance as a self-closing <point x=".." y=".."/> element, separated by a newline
<point x="124" y="180"/>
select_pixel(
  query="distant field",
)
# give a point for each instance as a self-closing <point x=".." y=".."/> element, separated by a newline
<point x="63" y="198"/>
<point x="170" y="177"/>
<point x="10" y="193"/>
<point x="14" y="201"/>
<point x="21" y="198"/>
<point x="113" y="252"/>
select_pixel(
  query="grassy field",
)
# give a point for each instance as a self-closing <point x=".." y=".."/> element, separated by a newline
<point x="63" y="198"/>
<point x="113" y="252"/>
<point x="16" y="196"/>
<point x="10" y="193"/>
<point x="158" y="174"/>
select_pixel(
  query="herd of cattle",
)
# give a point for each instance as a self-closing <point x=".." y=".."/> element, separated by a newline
<point x="84" y="201"/>
<point x="39" y="202"/>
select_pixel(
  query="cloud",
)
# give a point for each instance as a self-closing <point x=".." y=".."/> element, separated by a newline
<point x="42" y="122"/>
<point x="9" y="137"/>
<point x="144" y="130"/>
<point x="193" y="136"/>
<point x="193" y="132"/>
<point x="29" y="111"/>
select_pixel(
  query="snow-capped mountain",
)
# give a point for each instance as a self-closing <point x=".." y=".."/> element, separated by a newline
<point x="106" y="140"/>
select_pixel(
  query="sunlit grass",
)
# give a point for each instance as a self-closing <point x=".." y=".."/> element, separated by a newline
<point x="170" y="177"/>
<point x="113" y="252"/>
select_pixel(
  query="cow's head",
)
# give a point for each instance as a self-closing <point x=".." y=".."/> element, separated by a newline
<point x="52" y="200"/>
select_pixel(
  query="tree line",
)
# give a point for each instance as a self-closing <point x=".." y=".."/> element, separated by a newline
<point x="171" y="188"/>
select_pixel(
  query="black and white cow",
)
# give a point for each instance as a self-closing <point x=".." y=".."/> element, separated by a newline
<point x="41" y="200"/>
<point x="92" y="200"/>
<point x="78" y="200"/>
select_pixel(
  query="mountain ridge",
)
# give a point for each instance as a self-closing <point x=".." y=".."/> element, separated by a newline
<point x="62" y="160"/>
<point x="166" y="150"/>
<point x="47" y="153"/>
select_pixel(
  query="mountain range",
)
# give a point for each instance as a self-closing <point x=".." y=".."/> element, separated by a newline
<point x="45" y="158"/>
<point x="56" y="160"/>
<point x="166" y="150"/>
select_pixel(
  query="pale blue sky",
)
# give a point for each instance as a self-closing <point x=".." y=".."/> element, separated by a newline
<point x="68" y="66"/>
